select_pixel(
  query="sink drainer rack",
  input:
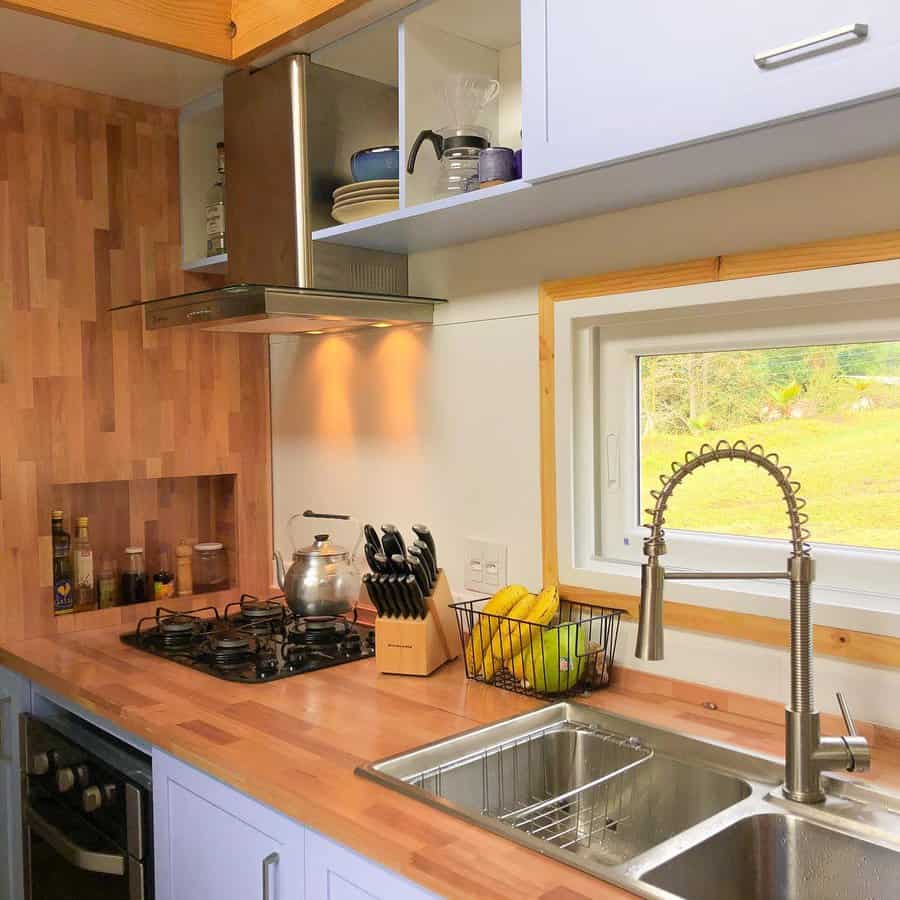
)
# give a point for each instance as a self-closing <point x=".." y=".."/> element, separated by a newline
<point x="570" y="783"/>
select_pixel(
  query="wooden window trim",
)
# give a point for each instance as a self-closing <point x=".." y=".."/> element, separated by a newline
<point x="857" y="646"/>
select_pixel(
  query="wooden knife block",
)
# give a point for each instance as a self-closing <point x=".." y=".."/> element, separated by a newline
<point x="419" y="646"/>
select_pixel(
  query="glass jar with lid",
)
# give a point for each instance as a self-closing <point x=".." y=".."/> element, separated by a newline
<point x="134" y="577"/>
<point x="210" y="567"/>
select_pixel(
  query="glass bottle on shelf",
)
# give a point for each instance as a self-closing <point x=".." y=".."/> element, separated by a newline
<point x="215" y="208"/>
<point x="63" y="584"/>
<point x="83" y="564"/>
<point x="134" y="578"/>
<point x="163" y="579"/>
<point x="106" y="585"/>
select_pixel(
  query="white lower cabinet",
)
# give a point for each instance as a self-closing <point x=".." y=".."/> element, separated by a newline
<point x="211" y="841"/>
<point x="335" y="873"/>
<point x="13" y="693"/>
<point x="214" y="843"/>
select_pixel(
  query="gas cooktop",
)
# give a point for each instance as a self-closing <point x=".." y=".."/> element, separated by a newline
<point x="252" y="640"/>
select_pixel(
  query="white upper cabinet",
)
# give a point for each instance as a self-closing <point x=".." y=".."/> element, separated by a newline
<point x="608" y="81"/>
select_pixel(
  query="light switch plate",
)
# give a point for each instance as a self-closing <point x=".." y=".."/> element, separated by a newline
<point x="485" y="566"/>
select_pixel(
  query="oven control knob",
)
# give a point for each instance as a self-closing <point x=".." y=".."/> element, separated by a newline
<point x="40" y="764"/>
<point x="65" y="780"/>
<point x="91" y="799"/>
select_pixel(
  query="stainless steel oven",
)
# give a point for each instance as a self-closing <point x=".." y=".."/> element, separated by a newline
<point x="86" y="807"/>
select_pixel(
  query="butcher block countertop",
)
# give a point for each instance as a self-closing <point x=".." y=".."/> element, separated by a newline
<point x="294" y="744"/>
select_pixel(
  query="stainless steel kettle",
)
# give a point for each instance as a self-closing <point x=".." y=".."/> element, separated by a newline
<point x="323" y="579"/>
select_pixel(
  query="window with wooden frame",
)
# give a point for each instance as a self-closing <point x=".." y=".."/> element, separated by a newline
<point x="805" y="363"/>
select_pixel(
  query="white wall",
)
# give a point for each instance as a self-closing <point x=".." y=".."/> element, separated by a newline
<point x="441" y="425"/>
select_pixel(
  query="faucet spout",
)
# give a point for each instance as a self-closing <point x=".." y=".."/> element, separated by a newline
<point x="807" y="754"/>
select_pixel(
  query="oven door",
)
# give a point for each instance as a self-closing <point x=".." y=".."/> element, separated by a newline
<point x="67" y="859"/>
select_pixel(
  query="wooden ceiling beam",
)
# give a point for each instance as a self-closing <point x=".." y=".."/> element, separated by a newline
<point x="262" y="24"/>
<point x="200" y="27"/>
<point x="224" y="30"/>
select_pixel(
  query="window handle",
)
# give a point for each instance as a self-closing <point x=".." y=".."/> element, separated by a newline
<point x="612" y="460"/>
<point x="269" y="863"/>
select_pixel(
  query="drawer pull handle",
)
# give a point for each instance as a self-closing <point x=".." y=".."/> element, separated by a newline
<point x="270" y="862"/>
<point x="771" y="58"/>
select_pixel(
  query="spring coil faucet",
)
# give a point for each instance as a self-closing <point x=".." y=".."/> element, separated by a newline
<point x="807" y="753"/>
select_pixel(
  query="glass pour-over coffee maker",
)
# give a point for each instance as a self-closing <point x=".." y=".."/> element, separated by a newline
<point x="458" y="145"/>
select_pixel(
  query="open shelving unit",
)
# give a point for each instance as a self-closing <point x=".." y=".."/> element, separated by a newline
<point x="416" y="51"/>
<point x="153" y="513"/>
<point x="201" y="125"/>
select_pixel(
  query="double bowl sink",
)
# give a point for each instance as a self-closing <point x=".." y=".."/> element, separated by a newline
<point x="661" y="814"/>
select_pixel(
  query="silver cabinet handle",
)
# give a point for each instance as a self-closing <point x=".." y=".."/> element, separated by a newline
<point x="268" y="864"/>
<point x="770" y="57"/>
<point x="89" y="860"/>
<point x="201" y="313"/>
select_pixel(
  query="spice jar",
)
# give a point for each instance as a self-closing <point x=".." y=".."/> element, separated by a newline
<point x="184" y="568"/>
<point x="210" y="569"/>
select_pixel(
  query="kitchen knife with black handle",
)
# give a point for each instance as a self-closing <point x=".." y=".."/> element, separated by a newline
<point x="371" y="554"/>
<point x="371" y="536"/>
<point x="381" y="561"/>
<point x="390" y="544"/>
<point x="417" y="568"/>
<point x="423" y="533"/>
<point x="415" y="596"/>
<point x="386" y="596"/>
<point x="428" y="559"/>
<point x="415" y="553"/>
<point x="391" y="534"/>
<point x="397" y="592"/>
<point x="374" y="599"/>
<point x="399" y="564"/>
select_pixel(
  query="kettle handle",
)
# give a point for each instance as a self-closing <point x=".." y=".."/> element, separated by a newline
<point x="309" y="514"/>
<point x="436" y="141"/>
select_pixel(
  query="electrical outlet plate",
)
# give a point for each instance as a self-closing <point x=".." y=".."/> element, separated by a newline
<point x="485" y="566"/>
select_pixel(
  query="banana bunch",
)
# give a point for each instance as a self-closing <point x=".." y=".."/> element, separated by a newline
<point x="508" y="640"/>
<point x="482" y="634"/>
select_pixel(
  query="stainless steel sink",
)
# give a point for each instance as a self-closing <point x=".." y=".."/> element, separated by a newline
<point x="773" y="856"/>
<point x="659" y="813"/>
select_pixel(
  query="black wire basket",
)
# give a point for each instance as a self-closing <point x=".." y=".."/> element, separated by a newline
<point x="573" y="655"/>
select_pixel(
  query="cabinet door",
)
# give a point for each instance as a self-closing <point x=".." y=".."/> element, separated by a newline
<point x="13" y="690"/>
<point x="213" y="842"/>
<point x="335" y="873"/>
<point x="609" y="81"/>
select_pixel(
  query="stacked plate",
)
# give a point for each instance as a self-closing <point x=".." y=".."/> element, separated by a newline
<point x="362" y="199"/>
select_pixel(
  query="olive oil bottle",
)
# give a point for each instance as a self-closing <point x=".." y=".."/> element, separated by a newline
<point x="83" y="564"/>
<point x="63" y="582"/>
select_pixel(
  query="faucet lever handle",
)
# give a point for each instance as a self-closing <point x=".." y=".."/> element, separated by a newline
<point x="845" y="712"/>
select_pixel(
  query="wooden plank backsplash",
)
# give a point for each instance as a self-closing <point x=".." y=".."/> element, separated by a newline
<point x="89" y="219"/>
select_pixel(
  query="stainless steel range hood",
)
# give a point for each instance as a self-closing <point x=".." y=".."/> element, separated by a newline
<point x="290" y="130"/>
<point x="268" y="309"/>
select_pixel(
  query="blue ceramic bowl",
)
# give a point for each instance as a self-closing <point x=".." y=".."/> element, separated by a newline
<point x="375" y="163"/>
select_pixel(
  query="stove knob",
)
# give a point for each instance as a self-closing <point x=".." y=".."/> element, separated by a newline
<point x="40" y="764"/>
<point x="65" y="780"/>
<point x="91" y="799"/>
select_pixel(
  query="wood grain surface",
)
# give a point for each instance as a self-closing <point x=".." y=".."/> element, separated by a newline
<point x="89" y="219"/>
<point x="200" y="27"/>
<point x="294" y="744"/>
